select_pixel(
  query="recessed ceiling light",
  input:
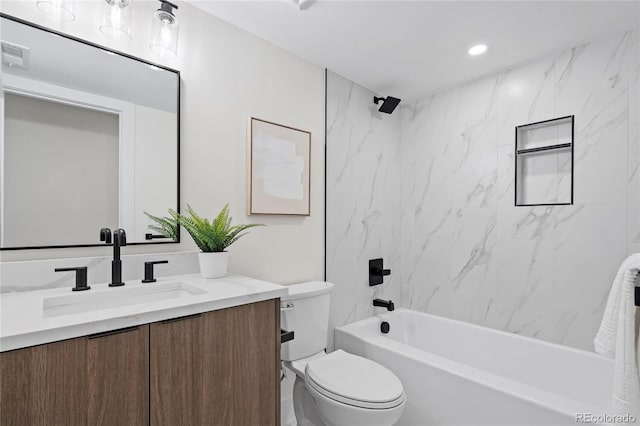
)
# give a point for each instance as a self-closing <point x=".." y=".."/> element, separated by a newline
<point x="478" y="49"/>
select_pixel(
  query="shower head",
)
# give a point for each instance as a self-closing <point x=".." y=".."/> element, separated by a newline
<point x="388" y="104"/>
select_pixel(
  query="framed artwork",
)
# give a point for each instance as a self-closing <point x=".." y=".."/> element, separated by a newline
<point x="278" y="169"/>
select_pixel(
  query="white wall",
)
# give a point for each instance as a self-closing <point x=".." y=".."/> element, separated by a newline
<point x="155" y="150"/>
<point x="227" y="76"/>
<point x="63" y="159"/>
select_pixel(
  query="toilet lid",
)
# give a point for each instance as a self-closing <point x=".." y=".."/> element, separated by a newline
<point x="355" y="380"/>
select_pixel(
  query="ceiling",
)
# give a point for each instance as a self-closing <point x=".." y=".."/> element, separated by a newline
<point x="410" y="48"/>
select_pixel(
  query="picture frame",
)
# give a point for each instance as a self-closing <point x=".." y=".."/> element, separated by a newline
<point x="278" y="169"/>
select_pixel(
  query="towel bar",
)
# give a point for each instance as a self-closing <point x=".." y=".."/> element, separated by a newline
<point x="638" y="296"/>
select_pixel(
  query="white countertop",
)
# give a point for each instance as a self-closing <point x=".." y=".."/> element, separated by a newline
<point x="24" y="322"/>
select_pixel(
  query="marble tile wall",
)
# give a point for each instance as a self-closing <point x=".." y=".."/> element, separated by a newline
<point x="363" y="199"/>
<point x="466" y="251"/>
<point x="431" y="190"/>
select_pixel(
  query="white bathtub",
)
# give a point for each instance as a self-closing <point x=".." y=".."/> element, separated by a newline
<point x="455" y="373"/>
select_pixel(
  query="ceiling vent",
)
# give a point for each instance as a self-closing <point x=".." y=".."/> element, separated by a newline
<point x="14" y="55"/>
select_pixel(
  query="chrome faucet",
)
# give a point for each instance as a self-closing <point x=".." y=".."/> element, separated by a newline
<point x="119" y="240"/>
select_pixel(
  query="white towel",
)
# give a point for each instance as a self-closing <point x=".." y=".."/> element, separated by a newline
<point x="617" y="338"/>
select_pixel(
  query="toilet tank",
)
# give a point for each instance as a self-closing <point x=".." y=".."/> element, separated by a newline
<point x="305" y="311"/>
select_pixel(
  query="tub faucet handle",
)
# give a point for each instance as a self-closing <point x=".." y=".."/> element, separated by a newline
<point x="377" y="271"/>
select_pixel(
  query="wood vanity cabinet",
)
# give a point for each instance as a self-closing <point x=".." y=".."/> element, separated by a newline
<point x="216" y="368"/>
<point x="96" y="380"/>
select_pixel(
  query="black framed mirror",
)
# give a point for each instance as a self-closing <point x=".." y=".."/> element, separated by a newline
<point x="90" y="139"/>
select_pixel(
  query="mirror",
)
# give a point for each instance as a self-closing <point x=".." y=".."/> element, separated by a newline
<point x="90" y="139"/>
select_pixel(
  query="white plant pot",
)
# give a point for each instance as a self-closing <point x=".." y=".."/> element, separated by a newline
<point x="213" y="264"/>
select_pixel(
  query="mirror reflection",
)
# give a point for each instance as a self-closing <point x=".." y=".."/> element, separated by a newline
<point x="89" y="140"/>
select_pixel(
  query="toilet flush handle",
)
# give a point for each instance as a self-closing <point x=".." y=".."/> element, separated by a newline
<point x="286" y="306"/>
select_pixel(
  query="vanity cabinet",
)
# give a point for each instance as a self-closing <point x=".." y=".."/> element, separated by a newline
<point x="217" y="368"/>
<point x="95" y="380"/>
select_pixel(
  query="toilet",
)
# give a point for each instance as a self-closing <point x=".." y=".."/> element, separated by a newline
<point x="339" y="388"/>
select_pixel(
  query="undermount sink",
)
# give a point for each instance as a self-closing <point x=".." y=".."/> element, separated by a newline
<point x="116" y="297"/>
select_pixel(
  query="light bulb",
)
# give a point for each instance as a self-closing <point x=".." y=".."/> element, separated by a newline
<point x="166" y="36"/>
<point x="164" y="31"/>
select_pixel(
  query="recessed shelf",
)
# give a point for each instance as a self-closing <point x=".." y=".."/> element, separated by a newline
<point x="567" y="119"/>
<point x="544" y="163"/>
<point x="545" y="148"/>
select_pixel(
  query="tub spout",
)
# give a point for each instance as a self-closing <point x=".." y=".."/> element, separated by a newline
<point x="384" y="304"/>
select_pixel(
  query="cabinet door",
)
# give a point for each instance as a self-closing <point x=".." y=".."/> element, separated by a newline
<point x="220" y="368"/>
<point x="118" y="378"/>
<point x="176" y="371"/>
<point x="83" y="381"/>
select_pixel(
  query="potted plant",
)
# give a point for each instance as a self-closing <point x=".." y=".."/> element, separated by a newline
<point x="212" y="237"/>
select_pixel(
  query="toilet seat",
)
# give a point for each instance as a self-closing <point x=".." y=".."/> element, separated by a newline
<point x="355" y="381"/>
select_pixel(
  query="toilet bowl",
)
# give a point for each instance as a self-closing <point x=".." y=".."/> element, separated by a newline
<point x="339" y="388"/>
<point x="344" y="389"/>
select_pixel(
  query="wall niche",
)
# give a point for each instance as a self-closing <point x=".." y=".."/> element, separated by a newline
<point x="544" y="163"/>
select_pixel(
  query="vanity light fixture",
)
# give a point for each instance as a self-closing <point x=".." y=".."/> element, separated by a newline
<point x="164" y="31"/>
<point x="478" y="49"/>
<point x="116" y="21"/>
<point x="61" y="10"/>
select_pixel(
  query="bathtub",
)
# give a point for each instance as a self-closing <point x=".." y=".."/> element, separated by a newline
<point x="455" y="373"/>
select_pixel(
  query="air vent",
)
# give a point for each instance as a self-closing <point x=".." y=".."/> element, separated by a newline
<point x="14" y="55"/>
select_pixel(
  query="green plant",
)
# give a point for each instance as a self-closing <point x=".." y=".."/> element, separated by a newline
<point x="209" y="236"/>
<point x="166" y="226"/>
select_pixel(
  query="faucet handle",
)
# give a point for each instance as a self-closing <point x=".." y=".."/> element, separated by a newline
<point x="81" y="277"/>
<point x="150" y="236"/>
<point x="377" y="271"/>
<point x="105" y="235"/>
<point x="148" y="270"/>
